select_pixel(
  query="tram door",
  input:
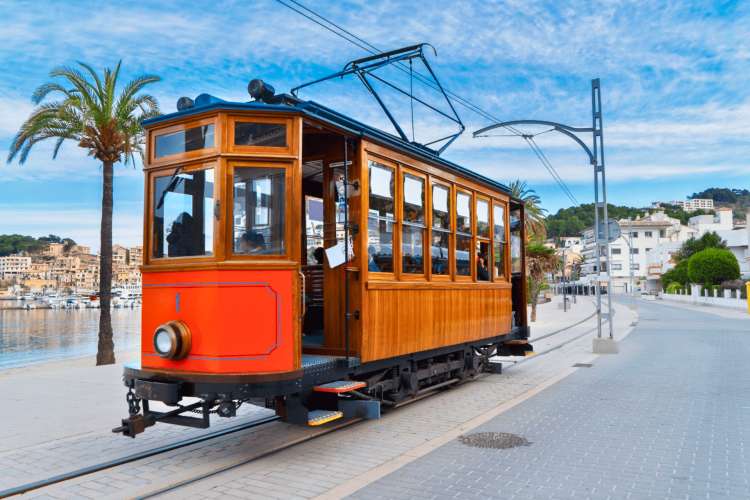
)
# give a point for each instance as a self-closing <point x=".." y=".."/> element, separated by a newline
<point x="326" y="208"/>
<point x="324" y="212"/>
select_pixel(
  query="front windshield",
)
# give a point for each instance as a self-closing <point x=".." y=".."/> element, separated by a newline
<point x="183" y="214"/>
<point x="258" y="212"/>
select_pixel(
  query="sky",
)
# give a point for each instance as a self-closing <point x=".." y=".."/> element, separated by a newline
<point x="675" y="98"/>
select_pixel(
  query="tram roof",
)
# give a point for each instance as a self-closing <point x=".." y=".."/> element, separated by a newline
<point x="316" y="111"/>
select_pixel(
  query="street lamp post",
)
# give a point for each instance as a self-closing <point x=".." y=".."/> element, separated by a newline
<point x="601" y="238"/>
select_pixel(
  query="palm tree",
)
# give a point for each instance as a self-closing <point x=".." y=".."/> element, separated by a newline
<point x="535" y="214"/>
<point x="109" y="126"/>
<point x="540" y="260"/>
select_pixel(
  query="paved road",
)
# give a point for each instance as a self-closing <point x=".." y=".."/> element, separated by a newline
<point x="669" y="417"/>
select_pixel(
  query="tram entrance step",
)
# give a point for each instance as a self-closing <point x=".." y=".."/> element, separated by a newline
<point x="340" y="386"/>
<point x="320" y="417"/>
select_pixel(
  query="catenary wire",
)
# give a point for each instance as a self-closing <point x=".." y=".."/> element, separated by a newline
<point x="372" y="49"/>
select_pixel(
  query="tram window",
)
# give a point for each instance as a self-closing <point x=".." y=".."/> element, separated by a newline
<point x="463" y="255"/>
<point x="441" y="210"/>
<point x="380" y="246"/>
<point x="183" y="141"/>
<point x="440" y="252"/>
<point x="464" y="248"/>
<point x="260" y="134"/>
<point x="258" y="212"/>
<point x="412" y="234"/>
<point x="483" y="260"/>
<point x="463" y="213"/>
<point x="515" y="241"/>
<point x="381" y="191"/>
<point x="498" y="222"/>
<point x="483" y="219"/>
<point x="183" y="214"/>
<point x="381" y="218"/>
<point x="441" y="227"/>
<point x="498" y="244"/>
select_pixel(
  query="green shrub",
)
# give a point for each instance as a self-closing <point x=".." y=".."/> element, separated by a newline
<point x="712" y="266"/>
<point x="673" y="287"/>
<point x="678" y="274"/>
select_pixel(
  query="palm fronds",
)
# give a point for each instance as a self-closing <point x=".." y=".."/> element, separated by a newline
<point x="90" y="112"/>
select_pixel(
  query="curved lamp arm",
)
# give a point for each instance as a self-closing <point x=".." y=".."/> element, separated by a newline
<point x="559" y="127"/>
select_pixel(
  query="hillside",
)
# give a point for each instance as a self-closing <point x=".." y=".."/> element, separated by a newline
<point x="15" y="243"/>
<point x="736" y="199"/>
<point x="572" y="221"/>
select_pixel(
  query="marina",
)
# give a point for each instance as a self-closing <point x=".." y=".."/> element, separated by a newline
<point x="44" y="334"/>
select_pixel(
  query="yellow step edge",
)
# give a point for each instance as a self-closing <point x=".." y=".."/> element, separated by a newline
<point x="320" y="417"/>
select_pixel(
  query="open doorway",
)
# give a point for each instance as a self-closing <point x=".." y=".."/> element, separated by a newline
<point x="325" y="210"/>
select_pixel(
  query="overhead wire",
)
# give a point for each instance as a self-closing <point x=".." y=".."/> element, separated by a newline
<point x="372" y="49"/>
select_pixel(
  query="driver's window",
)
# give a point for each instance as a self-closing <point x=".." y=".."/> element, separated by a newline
<point x="183" y="214"/>
<point x="258" y="211"/>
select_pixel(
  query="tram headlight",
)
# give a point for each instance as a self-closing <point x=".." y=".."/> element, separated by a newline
<point x="172" y="340"/>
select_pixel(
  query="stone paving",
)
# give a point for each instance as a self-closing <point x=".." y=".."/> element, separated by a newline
<point x="306" y="470"/>
<point x="669" y="417"/>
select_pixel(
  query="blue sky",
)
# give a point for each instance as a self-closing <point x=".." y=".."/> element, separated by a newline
<point x="674" y="85"/>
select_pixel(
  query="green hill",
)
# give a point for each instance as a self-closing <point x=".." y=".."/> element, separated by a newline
<point x="736" y="199"/>
<point x="572" y="221"/>
<point x="14" y="243"/>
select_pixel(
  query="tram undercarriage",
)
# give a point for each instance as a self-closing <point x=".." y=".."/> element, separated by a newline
<point x="357" y="390"/>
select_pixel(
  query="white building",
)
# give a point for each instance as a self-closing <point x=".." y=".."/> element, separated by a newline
<point x="14" y="266"/>
<point x="646" y="245"/>
<point x="720" y="221"/>
<point x="698" y="204"/>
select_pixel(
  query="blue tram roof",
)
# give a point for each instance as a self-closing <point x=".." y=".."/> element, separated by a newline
<point x="316" y="111"/>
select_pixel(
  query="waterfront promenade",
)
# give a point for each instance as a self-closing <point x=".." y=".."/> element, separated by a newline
<point x="56" y="442"/>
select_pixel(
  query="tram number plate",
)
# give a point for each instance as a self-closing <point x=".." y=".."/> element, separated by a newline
<point x="166" y="392"/>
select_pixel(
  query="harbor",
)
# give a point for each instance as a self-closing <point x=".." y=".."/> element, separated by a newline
<point x="29" y="337"/>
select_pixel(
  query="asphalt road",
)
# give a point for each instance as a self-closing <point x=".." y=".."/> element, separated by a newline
<point x="668" y="417"/>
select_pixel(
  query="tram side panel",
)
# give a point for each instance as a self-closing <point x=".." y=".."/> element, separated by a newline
<point x="403" y="321"/>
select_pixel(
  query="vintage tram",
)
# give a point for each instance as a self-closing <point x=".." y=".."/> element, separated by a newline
<point x="297" y="257"/>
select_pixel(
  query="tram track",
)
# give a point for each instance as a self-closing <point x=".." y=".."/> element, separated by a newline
<point x="88" y="470"/>
<point x="91" y="469"/>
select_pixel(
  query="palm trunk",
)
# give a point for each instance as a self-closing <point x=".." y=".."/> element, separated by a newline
<point x="533" y="310"/>
<point x="105" y="354"/>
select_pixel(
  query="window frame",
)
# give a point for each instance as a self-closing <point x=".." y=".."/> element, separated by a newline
<point x="481" y="239"/>
<point x="187" y="155"/>
<point x="472" y="223"/>
<point x="228" y="211"/>
<point x="506" y="238"/>
<point x="396" y="239"/>
<point x="148" y="237"/>
<point x="262" y="119"/>
<point x="433" y="181"/>
<point x="400" y="193"/>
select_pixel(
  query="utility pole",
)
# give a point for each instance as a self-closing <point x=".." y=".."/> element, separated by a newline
<point x="601" y="220"/>
<point x="562" y="279"/>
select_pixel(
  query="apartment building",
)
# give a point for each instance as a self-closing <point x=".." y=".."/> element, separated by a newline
<point x="14" y="267"/>
<point x="645" y="248"/>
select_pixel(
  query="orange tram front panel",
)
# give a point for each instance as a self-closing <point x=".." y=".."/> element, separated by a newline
<point x="240" y="321"/>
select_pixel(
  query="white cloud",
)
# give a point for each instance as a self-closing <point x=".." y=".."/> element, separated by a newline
<point x="81" y="224"/>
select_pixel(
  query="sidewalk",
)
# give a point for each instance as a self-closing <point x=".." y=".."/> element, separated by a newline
<point x="54" y="443"/>
<point x="665" y="419"/>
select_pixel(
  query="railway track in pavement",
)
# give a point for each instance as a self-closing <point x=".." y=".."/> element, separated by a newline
<point x="128" y="459"/>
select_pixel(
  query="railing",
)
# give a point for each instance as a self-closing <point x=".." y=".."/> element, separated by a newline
<point x="725" y="298"/>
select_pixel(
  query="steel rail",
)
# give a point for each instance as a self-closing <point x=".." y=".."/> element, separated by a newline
<point x="427" y="392"/>
<point x="84" y="471"/>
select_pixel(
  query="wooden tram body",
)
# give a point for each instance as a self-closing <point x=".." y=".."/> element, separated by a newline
<point x="240" y="196"/>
